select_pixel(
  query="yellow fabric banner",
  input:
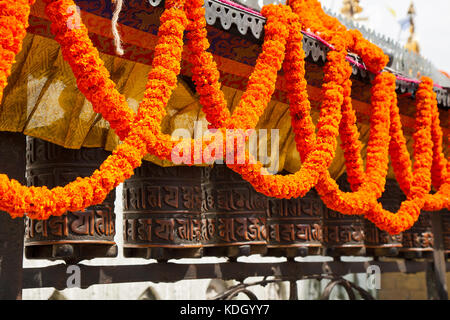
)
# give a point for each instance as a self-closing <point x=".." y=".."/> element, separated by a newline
<point x="42" y="100"/>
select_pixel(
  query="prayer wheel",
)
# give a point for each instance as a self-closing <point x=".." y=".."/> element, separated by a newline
<point x="162" y="213"/>
<point x="295" y="226"/>
<point x="343" y="235"/>
<point x="234" y="215"/>
<point x="378" y="242"/>
<point x="74" y="236"/>
<point x="417" y="242"/>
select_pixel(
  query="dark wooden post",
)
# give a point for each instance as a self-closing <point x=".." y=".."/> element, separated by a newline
<point x="436" y="271"/>
<point x="12" y="163"/>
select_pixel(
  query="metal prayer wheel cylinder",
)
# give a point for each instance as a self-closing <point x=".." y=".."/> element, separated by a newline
<point x="162" y="213"/>
<point x="417" y="242"/>
<point x="74" y="236"/>
<point x="234" y="215"/>
<point x="378" y="242"/>
<point x="295" y="226"/>
<point x="343" y="235"/>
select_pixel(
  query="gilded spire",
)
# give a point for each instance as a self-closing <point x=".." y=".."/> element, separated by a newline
<point x="412" y="44"/>
<point x="350" y="8"/>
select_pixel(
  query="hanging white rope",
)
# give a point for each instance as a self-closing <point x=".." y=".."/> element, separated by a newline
<point x="115" y="31"/>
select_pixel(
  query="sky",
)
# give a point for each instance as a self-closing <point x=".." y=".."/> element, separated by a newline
<point x="432" y="24"/>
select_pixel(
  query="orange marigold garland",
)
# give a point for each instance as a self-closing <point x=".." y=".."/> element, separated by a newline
<point x="253" y="99"/>
<point x="351" y="144"/>
<point x="400" y="158"/>
<point x="41" y="203"/>
<point x="93" y="79"/>
<point x="372" y="187"/>
<point x="142" y="133"/>
<point x="13" y="24"/>
<point x="421" y="183"/>
<point x="319" y="159"/>
<point x="205" y="73"/>
<point x="316" y="20"/>
<point x="397" y="144"/>
<point x="439" y="167"/>
<point x="299" y="104"/>
<point x="301" y="182"/>
<point x="262" y="81"/>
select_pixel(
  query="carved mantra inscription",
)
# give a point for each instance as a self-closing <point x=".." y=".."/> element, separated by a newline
<point x="420" y="236"/>
<point x="376" y="238"/>
<point x="391" y="200"/>
<point x="91" y="225"/>
<point x="295" y="222"/>
<point x="162" y="207"/>
<point x="341" y="230"/>
<point x="51" y="165"/>
<point x="233" y="211"/>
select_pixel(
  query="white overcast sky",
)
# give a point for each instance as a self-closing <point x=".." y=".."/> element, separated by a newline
<point x="432" y="24"/>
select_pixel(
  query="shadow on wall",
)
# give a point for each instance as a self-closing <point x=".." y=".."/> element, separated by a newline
<point x="57" y="295"/>
<point x="149" y="294"/>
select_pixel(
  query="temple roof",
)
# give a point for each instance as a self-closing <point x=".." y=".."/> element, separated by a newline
<point x="406" y="65"/>
<point x="42" y="99"/>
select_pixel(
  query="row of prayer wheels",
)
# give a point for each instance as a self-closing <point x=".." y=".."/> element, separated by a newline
<point x="191" y="212"/>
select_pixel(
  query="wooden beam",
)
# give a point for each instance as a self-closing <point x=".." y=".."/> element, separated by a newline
<point x="436" y="271"/>
<point x="12" y="163"/>
<point x="56" y="276"/>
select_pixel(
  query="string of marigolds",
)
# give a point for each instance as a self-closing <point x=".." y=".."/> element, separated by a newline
<point x="282" y="48"/>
